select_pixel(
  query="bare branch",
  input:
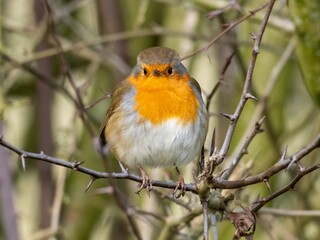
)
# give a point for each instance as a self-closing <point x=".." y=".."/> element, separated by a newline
<point x="246" y="89"/>
<point x="244" y="149"/>
<point x="289" y="187"/>
<point x="76" y="167"/>
<point x="280" y="165"/>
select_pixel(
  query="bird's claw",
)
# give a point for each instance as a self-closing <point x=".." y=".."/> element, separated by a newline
<point x="182" y="186"/>
<point x="146" y="183"/>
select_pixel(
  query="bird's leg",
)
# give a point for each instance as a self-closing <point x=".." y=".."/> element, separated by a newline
<point x="181" y="185"/>
<point x="146" y="182"/>
<point x="123" y="169"/>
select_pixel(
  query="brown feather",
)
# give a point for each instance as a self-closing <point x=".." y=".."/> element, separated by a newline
<point x="121" y="89"/>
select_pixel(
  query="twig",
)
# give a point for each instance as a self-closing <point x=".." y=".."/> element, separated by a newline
<point x="98" y="101"/>
<point x="246" y="89"/>
<point x="221" y="79"/>
<point x="227" y="29"/>
<point x="244" y="149"/>
<point x="289" y="187"/>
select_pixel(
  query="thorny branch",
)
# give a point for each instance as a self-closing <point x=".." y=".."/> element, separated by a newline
<point x="244" y="149"/>
<point x="302" y="172"/>
<point x="215" y="183"/>
<point x="282" y="164"/>
<point x="247" y="84"/>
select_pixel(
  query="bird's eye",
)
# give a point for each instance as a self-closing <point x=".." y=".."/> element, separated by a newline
<point x="145" y="71"/>
<point x="170" y="70"/>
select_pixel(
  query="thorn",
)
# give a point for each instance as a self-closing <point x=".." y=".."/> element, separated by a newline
<point x="250" y="96"/>
<point x="289" y="166"/>
<point x="76" y="164"/>
<point x="202" y="157"/>
<point x="253" y="36"/>
<point x="213" y="142"/>
<point x="266" y="181"/>
<point x="90" y="183"/>
<point x="262" y="120"/>
<point x="223" y="171"/>
<point x="283" y="156"/>
<point x="300" y="167"/>
<point x="23" y="161"/>
<point x="138" y="193"/>
<point x="258" y="125"/>
<point x="257" y="199"/>
<point x="245" y="151"/>
<point x="293" y="160"/>
<point x="148" y="190"/>
<point x="258" y="128"/>
<point x="228" y="116"/>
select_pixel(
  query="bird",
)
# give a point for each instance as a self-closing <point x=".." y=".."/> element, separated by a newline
<point x="157" y="117"/>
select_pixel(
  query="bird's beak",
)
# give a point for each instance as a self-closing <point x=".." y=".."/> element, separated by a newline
<point x="156" y="73"/>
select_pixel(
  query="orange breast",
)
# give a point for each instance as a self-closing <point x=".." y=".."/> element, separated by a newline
<point x="160" y="98"/>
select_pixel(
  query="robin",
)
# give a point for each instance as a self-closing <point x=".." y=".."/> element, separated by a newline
<point x="157" y="117"/>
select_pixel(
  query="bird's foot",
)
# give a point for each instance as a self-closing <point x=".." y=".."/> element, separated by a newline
<point x="182" y="186"/>
<point x="146" y="183"/>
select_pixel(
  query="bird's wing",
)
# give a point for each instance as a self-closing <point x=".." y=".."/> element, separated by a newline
<point x="117" y="96"/>
<point x="195" y="84"/>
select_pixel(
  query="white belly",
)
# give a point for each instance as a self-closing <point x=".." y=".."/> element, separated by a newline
<point x="162" y="145"/>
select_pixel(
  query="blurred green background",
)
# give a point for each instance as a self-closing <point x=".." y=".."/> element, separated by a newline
<point x="100" y="40"/>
